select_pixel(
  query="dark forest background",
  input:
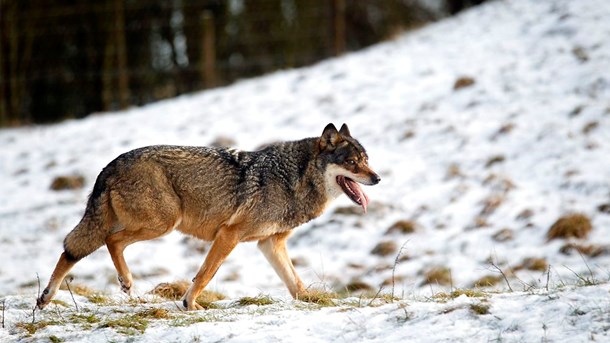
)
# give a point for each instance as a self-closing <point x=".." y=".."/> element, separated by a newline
<point x="69" y="58"/>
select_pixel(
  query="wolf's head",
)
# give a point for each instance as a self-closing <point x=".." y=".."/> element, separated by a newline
<point x="346" y="165"/>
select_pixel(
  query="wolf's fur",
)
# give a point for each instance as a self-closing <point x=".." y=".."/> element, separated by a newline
<point x="215" y="194"/>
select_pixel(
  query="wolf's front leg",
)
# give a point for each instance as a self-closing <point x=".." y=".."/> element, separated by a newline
<point x="226" y="239"/>
<point x="274" y="249"/>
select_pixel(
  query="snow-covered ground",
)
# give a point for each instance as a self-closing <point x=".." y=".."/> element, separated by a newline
<point x="482" y="171"/>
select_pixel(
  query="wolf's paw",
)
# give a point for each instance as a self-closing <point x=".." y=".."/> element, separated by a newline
<point x="125" y="285"/>
<point x="43" y="300"/>
<point x="191" y="307"/>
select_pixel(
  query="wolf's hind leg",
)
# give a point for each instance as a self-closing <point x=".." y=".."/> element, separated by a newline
<point x="116" y="244"/>
<point x="65" y="263"/>
<point x="274" y="249"/>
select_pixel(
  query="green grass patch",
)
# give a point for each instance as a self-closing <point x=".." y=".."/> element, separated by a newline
<point x="480" y="309"/>
<point x="127" y="325"/>
<point x="80" y="318"/>
<point x="154" y="313"/>
<point x="320" y="298"/>
<point x="194" y="318"/>
<point x="98" y="299"/>
<point x="60" y="303"/>
<point x="31" y="328"/>
<point x="260" y="300"/>
<point x="471" y="293"/>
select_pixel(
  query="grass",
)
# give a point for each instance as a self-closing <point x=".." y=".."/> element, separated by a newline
<point x="131" y="319"/>
<point x="175" y="291"/>
<point x="438" y="275"/>
<point x="319" y="297"/>
<point x="261" y="300"/>
<point x="194" y="318"/>
<point x="99" y="299"/>
<point x="66" y="182"/>
<point x="78" y="289"/>
<point x="32" y="328"/>
<point x="480" y="309"/>
<point x="127" y="325"/>
<point x="403" y="227"/>
<point x="488" y="281"/>
<point x="60" y="303"/>
<point x="471" y="293"/>
<point x="385" y="248"/>
<point x="84" y="318"/>
<point x="138" y="322"/>
<point x="575" y="225"/>
<point x="142" y="319"/>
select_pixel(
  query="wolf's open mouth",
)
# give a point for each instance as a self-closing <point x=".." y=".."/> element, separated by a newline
<point x="353" y="191"/>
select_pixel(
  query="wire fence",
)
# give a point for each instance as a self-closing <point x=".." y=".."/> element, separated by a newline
<point x="68" y="58"/>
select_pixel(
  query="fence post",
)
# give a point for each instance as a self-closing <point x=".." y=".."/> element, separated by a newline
<point x="338" y="9"/>
<point x="208" y="60"/>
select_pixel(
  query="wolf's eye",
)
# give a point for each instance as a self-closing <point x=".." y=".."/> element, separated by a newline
<point x="351" y="162"/>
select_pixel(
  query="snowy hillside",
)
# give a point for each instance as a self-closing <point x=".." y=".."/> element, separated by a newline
<point x="486" y="128"/>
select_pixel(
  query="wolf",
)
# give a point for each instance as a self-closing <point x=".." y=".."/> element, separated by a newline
<point x="222" y="195"/>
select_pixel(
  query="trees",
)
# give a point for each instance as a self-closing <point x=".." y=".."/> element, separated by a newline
<point x="68" y="58"/>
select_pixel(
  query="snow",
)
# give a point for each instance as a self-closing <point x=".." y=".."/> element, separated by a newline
<point x="539" y="107"/>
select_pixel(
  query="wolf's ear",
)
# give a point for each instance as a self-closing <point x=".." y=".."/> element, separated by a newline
<point x="344" y="131"/>
<point x="330" y="137"/>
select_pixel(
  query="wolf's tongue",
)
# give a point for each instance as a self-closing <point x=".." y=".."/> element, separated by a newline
<point x="353" y="191"/>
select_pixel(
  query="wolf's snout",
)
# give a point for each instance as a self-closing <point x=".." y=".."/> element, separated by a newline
<point x="375" y="179"/>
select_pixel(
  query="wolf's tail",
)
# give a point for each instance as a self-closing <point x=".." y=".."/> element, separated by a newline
<point x="97" y="222"/>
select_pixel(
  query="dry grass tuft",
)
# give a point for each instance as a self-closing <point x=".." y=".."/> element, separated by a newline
<point x="604" y="208"/>
<point x="128" y="325"/>
<point x="318" y="297"/>
<point x="488" y="281"/>
<point x="175" y="291"/>
<point x="471" y="293"/>
<point x="358" y="285"/>
<point x="403" y="227"/>
<point x="155" y="313"/>
<point x="533" y="263"/>
<point x="31" y="328"/>
<point x="261" y="300"/>
<point x="570" y="226"/>
<point x="171" y="290"/>
<point x="503" y="235"/>
<point x="479" y="309"/>
<point x="438" y="275"/>
<point x="590" y="126"/>
<point x="385" y="248"/>
<point x="99" y="299"/>
<point x="491" y="204"/>
<point x="494" y="160"/>
<point x="463" y="82"/>
<point x="453" y="171"/>
<point x="525" y="214"/>
<point x="61" y="183"/>
<point x="78" y="289"/>
<point x="348" y="210"/>
<point x="591" y="250"/>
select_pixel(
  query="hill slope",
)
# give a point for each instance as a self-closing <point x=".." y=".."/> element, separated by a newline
<point x="485" y="128"/>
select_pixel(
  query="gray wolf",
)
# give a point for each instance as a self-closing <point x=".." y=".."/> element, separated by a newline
<point x="221" y="195"/>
